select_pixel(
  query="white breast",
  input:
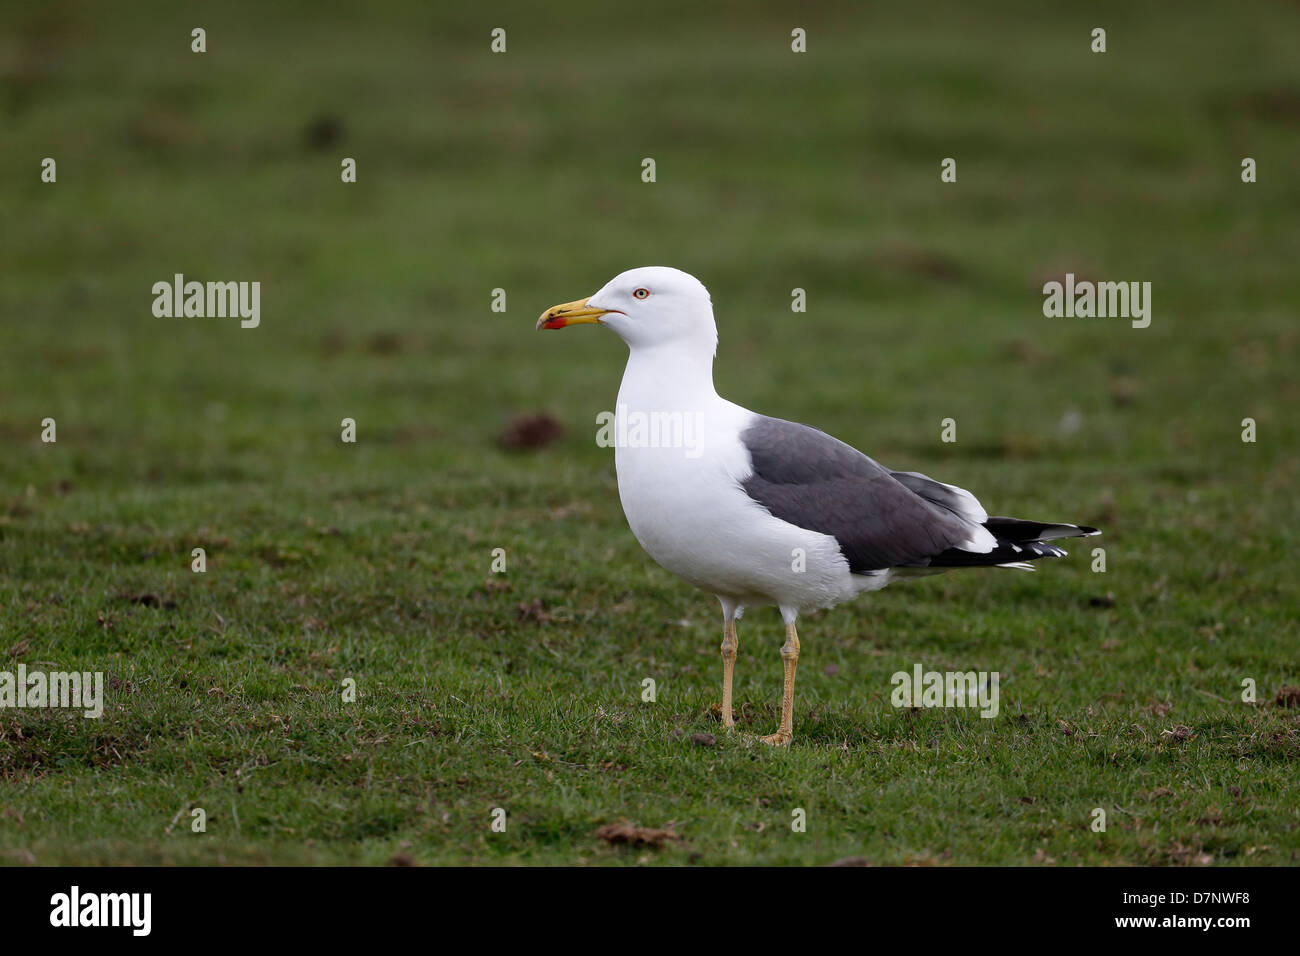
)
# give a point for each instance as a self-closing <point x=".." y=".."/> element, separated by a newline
<point x="684" y="503"/>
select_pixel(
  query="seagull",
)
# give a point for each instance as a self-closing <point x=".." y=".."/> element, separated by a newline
<point x="764" y="512"/>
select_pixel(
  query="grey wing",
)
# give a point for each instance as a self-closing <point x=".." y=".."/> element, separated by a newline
<point x="957" y="500"/>
<point x="806" y="477"/>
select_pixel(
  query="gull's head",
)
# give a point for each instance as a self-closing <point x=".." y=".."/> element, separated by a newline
<point x="650" y="306"/>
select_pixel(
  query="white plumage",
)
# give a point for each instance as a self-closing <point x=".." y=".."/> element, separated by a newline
<point x="760" y="511"/>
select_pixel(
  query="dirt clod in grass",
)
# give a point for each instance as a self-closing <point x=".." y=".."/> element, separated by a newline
<point x="401" y="859"/>
<point x="1181" y="732"/>
<point x="384" y="343"/>
<point x="703" y="740"/>
<point x="851" y="861"/>
<point x="1288" y="697"/>
<point x="1123" y="390"/>
<point x="1022" y="350"/>
<point x="19" y="648"/>
<point x="531" y="431"/>
<point x="714" y="712"/>
<point x="535" y="611"/>
<point x="322" y="132"/>
<point x="626" y="833"/>
<point x="926" y="263"/>
<point x="1188" y="856"/>
<point x="149" y="600"/>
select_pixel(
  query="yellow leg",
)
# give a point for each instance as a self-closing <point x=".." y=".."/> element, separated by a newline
<point x="790" y="658"/>
<point x="729" y="645"/>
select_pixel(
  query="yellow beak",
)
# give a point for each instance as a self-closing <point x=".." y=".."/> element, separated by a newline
<point x="576" y="312"/>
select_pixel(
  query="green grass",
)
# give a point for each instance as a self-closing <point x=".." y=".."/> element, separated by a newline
<point x="372" y="561"/>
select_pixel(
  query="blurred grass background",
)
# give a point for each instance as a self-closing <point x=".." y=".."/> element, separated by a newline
<point x="522" y="171"/>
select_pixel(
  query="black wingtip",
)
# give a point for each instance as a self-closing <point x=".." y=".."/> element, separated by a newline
<point x="1020" y="531"/>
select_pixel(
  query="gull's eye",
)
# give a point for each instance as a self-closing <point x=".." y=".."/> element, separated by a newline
<point x="641" y="293"/>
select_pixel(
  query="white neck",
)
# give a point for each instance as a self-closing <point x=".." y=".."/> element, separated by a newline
<point x="670" y="376"/>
